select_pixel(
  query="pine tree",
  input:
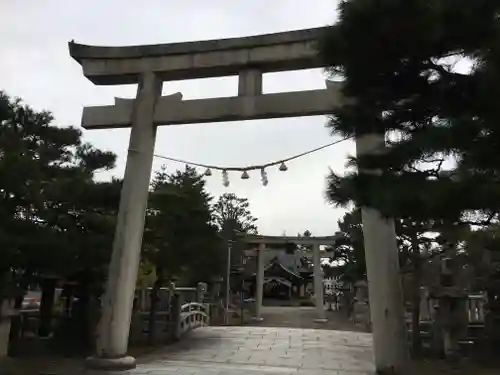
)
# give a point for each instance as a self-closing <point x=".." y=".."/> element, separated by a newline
<point x="181" y="239"/>
<point x="51" y="207"/>
<point x="398" y="58"/>
<point x="348" y="250"/>
<point x="57" y="221"/>
<point x="233" y="218"/>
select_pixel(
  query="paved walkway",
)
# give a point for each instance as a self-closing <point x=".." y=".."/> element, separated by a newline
<point x="262" y="351"/>
<point x="303" y="317"/>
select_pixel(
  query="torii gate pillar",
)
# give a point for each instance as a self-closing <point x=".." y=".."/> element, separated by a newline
<point x="114" y="326"/>
<point x="384" y="282"/>
<point x="259" y="278"/>
<point x="318" y="286"/>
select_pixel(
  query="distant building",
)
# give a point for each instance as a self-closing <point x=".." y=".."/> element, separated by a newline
<point x="287" y="274"/>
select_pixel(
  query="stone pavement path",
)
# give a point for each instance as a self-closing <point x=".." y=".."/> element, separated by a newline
<point x="262" y="351"/>
<point x="303" y="317"/>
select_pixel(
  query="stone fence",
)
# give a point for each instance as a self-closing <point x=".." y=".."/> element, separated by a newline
<point x="475" y="308"/>
<point x="180" y="310"/>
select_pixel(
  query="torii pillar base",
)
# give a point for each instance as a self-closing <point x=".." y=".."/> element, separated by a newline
<point x="110" y="364"/>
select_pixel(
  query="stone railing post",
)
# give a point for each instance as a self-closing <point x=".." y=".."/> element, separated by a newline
<point x="175" y="316"/>
<point x="201" y="288"/>
<point x="471" y="311"/>
<point x="481" y="311"/>
<point x="6" y="314"/>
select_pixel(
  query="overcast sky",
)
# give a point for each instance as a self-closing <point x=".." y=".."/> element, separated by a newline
<point x="35" y="65"/>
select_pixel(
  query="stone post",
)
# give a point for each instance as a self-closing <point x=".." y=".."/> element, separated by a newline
<point x="318" y="286"/>
<point x="425" y="305"/>
<point x="390" y="344"/>
<point x="175" y="316"/>
<point x="250" y="83"/>
<point x="114" y="326"/>
<point x="6" y="313"/>
<point x="259" y="279"/>
<point x="47" y="306"/>
<point x="481" y="314"/>
<point x="201" y="289"/>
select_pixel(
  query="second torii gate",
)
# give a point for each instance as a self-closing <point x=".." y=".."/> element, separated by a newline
<point x="315" y="242"/>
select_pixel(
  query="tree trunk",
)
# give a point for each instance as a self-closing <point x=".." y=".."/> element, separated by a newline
<point x="416" y="338"/>
<point x="154" y="298"/>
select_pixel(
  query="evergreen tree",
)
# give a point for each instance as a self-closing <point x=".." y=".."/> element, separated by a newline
<point x="232" y="214"/>
<point x="57" y="221"/>
<point x="233" y="218"/>
<point x="398" y="59"/>
<point x="52" y="211"/>
<point x="349" y="250"/>
<point x="416" y="242"/>
<point x="179" y="229"/>
<point x="181" y="240"/>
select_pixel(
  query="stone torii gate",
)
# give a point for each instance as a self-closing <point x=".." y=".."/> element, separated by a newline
<point x="315" y="243"/>
<point x="149" y="66"/>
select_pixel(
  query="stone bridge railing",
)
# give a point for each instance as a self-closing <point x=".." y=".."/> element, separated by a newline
<point x="192" y="315"/>
<point x="181" y="310"/>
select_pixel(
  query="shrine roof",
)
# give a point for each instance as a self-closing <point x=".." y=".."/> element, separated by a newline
<point x="278" y="267"/>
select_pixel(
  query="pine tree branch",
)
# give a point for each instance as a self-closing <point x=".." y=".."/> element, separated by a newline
<point x="483" y="223"/>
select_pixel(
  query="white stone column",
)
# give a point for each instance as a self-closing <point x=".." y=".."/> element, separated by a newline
<point x="318" y="286"/>
<point x="259" y="279"/>
<point x="114" y="326"/>
<point x="390" y="344"/>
